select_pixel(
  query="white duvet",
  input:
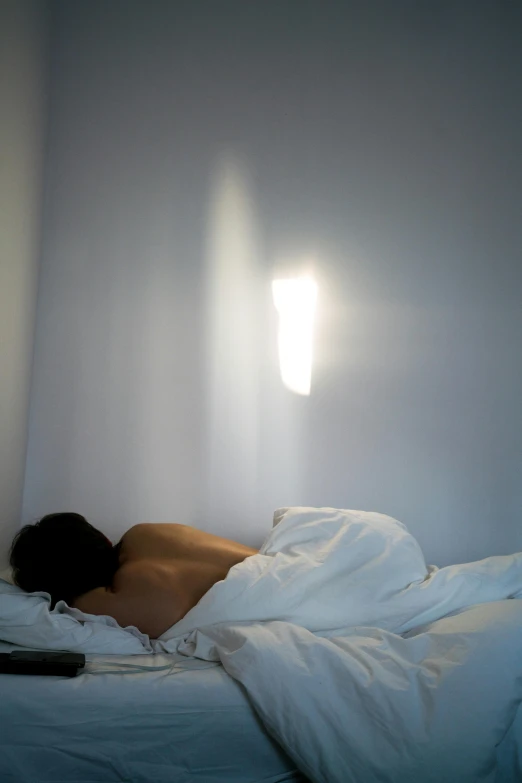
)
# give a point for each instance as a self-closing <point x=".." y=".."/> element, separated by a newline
<point x="368" y="706"/>
<point x="383" y="690"/>
<point x="329" y="568"/>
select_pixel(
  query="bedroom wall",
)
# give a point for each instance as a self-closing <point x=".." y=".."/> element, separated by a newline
<point x="199" y="149"/>
<point x="22" y="108"/>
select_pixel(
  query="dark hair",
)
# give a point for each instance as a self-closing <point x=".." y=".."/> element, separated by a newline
<point x="63" y="555"/>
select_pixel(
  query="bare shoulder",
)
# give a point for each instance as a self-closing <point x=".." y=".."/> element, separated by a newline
<point x="145" y="531"/>
<point x="165" y="540"/>
<point x="156" y="528"/>
<point x="153" y="540"/>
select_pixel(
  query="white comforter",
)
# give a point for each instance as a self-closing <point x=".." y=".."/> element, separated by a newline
<point x="383" y="690"/>
<point x="327" y="568"/>
<point x="368" y="706"/>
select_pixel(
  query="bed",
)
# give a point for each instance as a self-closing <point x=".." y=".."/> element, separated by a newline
<point x="336" y="653"/>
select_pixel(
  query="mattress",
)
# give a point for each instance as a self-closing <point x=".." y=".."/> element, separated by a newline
<point x="183" y="720"/>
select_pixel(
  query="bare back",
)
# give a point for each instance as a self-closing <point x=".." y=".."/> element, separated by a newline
<point x="165" y="569"/>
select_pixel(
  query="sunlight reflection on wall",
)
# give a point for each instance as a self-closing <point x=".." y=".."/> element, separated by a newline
<point x="232" y="328"/>
<point x="252" y="447"/>
<point x="295" y="301"/>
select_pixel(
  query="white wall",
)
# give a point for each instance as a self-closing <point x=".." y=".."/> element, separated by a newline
<point x="196" y="149"/>
<point x="22" y="119"/>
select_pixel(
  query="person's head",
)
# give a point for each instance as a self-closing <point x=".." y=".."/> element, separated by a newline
<point x="62" y="555"/>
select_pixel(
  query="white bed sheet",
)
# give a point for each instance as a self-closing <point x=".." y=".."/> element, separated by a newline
<point x="185" y="724"/>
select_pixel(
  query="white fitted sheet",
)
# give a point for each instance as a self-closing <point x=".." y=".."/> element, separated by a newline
<point x="184" y="724"/>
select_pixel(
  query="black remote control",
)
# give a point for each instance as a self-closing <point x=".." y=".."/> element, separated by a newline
<point x="54" y="664"/>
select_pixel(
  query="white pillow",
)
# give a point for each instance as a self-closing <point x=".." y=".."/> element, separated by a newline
<point x="25" y="619"/>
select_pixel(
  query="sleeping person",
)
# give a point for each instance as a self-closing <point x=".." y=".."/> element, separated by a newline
<point x="323" y="569"/>
<point x="150" y="579"/>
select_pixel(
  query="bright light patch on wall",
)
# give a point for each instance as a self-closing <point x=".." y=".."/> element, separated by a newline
<point x="295" y="301"/>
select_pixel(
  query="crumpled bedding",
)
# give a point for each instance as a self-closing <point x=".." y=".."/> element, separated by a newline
<point x="324" y="569"/>
<point x="366" y="664"/>
<point x="368" y="706"/>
